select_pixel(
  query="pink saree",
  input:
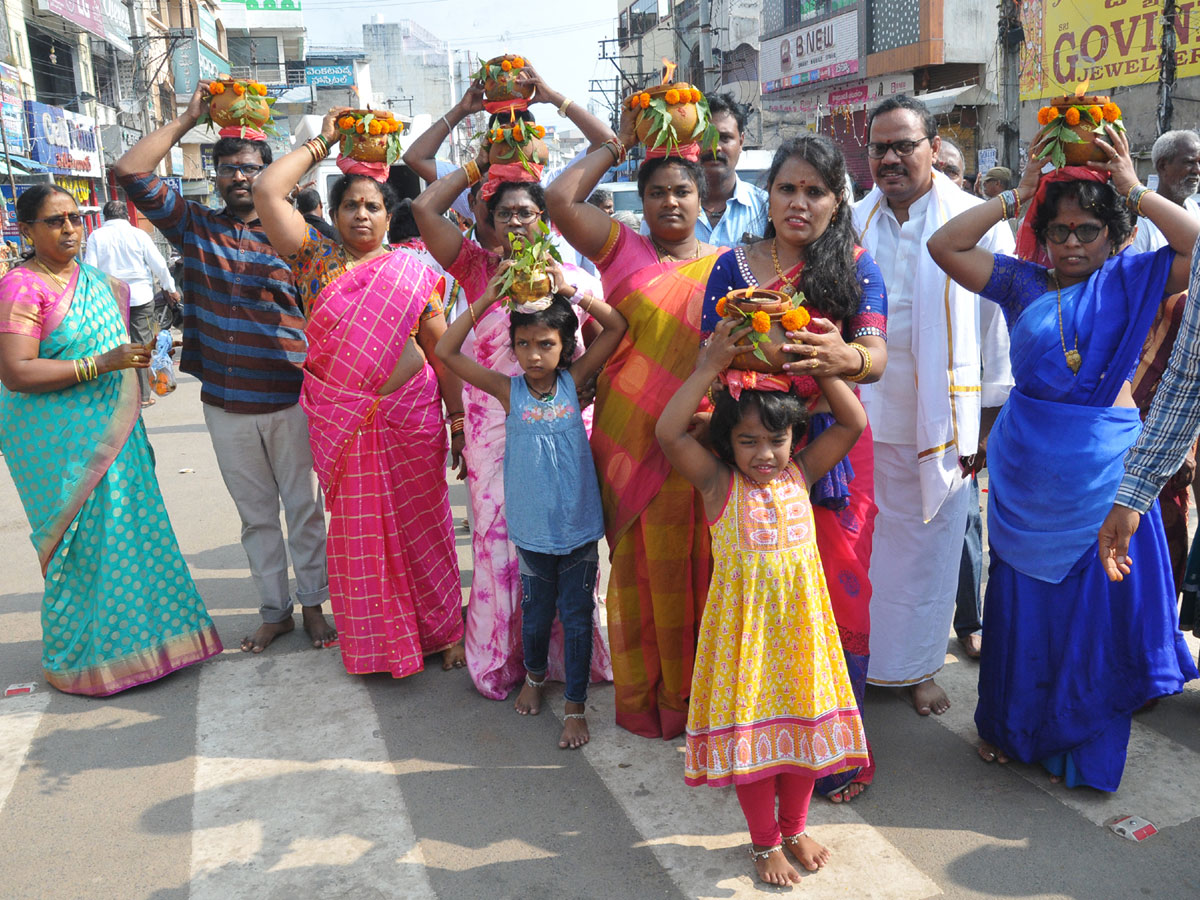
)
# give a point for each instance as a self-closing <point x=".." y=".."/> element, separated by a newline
<point x="393" y="575"/>
<point x="493" y="634"/>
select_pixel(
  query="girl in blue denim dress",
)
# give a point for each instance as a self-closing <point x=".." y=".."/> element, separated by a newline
<point x="552" y="497"/>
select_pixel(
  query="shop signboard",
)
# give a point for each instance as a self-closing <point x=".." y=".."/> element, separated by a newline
<point x="212" y="64"/>
<point x="185" y="63"/>
<point x="812" y="53"/>
<point x="107" y="19"/>
<point x="13" y="109"/>
<point x="335" y="75"/>
<point x="62" y="141"/>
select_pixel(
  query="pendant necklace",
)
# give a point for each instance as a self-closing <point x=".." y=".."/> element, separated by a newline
<point x="62" y="282"/>
<point x="544" y="396"/>
<point x="789" y="284"/>
<point x="1073" y="357"/>
<point x="663" y="254"/>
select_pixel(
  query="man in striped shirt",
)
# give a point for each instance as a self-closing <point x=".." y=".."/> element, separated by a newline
<point x="243" y="337"/>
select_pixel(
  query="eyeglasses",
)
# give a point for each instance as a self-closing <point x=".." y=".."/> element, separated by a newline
<point x="59" y="221"/>
<point x="877" y="150"/>
<point x="1086" y="233"/>
<point x="522" y="216"/>
<point x="227" y="170"/>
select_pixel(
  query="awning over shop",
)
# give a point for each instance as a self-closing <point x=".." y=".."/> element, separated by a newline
<point x="941" y="102"/>
<point x="12" y="169"/>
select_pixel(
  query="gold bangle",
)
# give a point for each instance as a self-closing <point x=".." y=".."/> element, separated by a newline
<point x="78" y="374"/>
<point x="93" y="372"/>
<point x="471" y="170"/>
<point x="471" y="310"/>
<point x="866" y="363"/>
<point x="562" y="110"/>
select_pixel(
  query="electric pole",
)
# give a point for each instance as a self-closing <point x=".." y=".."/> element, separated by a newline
<point x="1012" y="36"/>
<point x="1166" y="68"/>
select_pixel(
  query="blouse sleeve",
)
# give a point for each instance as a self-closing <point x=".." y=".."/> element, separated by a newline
<point x="472" y="269"/>
<point x="723" y="278"/>
<point x="1015" y="283"/>
<point x="871" y="318"/>
<point x="309" y="265"/>
<point x="23" y="301"/>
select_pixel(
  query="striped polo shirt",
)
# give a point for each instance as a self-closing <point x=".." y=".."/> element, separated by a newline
<point x="243" y="331"/>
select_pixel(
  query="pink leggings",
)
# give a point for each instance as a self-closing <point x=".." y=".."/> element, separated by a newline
<point x="758" y="805"/>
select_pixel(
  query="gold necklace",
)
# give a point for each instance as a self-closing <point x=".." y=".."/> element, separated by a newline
<point x="1073" y="357"/>
<point x="663" y="254"/>
<point x="62" y="282"/>
<point x="789" y="284"/>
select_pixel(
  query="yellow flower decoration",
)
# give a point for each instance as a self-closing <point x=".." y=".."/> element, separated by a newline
<point x="795" y="319"/>
<point x="1096" y="113"/>
<point x="374" y="128"/>
<point x="518" y="62"/>
<point x="761" y="322"/>
<point x="672" y="97"/>
<point x="1072" y="116"/>
<point x="1111" y="112"/>
<point x="216" y="88"/>
<point x="239" y="89"/>
<point x="721" y="307"/>
<point x="505" y="65"/>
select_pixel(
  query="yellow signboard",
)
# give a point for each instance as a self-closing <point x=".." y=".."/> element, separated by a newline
<point x="1107" y="43"/>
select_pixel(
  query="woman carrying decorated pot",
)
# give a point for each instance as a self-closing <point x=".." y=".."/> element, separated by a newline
<point x="653" y="517"/>
<point x="1070" y="656"/>
<point x="516" y="209"/>
<point x="809" y="252"/>
<point x="374" y="407"/>
<point x="120" y="607"/>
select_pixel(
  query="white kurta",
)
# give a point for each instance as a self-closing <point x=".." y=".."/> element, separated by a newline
<point x="947" y="357"/>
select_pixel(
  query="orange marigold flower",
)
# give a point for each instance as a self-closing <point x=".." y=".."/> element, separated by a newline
<point x="1111" y="112"/>
<point x="672" y="97"/>
<point x="1096" y="113"/>
<point x="239" y="89"/>
<point x="360" y="127"/>
<point x="1072" y="115"/>
<point x="261" y="88"/>
<point x="761" y="322"/>
<point x="518" y="133"/>
<point x="540" y="130"/>
<point x="795" y="319"/>
<point x="721" y="307"/>
<point x="345" y="122"/>
<point x="505" y="65"/>
<point x="518" y="62"/>
<point x="374" y="128"/>
<point x="645" y="101"/>
<point x="216" y="88"/>
<point x="633" y="101"/>
<point x="696" y="96"/>
<point x="1043" y="116"/>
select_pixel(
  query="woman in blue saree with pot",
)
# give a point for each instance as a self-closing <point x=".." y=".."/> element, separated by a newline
<point x="120" y="607"/>
<point x="1069" y="656"/>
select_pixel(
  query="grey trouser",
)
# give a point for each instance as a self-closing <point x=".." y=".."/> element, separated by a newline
<point x="141" y="325"/>
<point x="265" y="458"/>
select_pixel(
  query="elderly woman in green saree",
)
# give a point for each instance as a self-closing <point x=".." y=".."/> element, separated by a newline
<point x="120" y="607"/>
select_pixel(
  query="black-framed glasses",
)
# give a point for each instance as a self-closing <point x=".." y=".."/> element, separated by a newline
<point x="228" y="170"/>
<point x="522" y="216"/>
<point x="59" y="221"/>
<point x="1086" y="233"/>
<point x="878" y="150"/>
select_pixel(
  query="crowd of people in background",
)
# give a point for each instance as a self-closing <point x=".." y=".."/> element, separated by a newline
<point x="777" y="541"/>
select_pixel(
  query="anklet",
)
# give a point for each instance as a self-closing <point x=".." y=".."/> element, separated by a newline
<point x="795" y="838"/>
<point x="534" y="684"/>
<point x="574" y="716"/>
<point x="756" y="855"/>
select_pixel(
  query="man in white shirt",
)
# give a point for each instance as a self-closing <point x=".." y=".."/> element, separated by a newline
<point x="946" y="364"/>
<point x="1176" y="158"/>
<point x="119" y="249"/>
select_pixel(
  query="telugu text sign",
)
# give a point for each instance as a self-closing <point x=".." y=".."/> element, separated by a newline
<point x="1108" y="43"/>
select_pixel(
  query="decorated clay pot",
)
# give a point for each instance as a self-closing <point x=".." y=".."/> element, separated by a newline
<point x="226" y="107"/>
<point x="366" y="147"/>
<point x="684" y="114"/>
<point x="1079" y="154"/>
<point x="502" y="87"/>
<point x="534" y="149"/>
<point x="522" y="291"/>
<point x="773" y="303"/>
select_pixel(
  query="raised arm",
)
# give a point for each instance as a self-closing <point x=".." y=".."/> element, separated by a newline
<point x="283" y="223"/>
<point x="421" y="156"/>
<point x="442" y="236"/>
<point x="449" y="346"/>
<point x="601" y="347"/>
<point x="146" y="154"/>
<point x="690" y="458"/>
<point x="586" y="227"/>
<point x="594" y="129"/>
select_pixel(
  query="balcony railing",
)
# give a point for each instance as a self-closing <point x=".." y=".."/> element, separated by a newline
<point x="266" y="73"/>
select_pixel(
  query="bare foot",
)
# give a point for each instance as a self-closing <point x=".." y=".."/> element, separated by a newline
<point x="320" y="632"/>
<point x="848" y="793"/>
<point x="991" y="753"/>
<point x="806" y="851"/>
<point x="972" y="645"/>
<point x="267" y="632"/>
<point x="575" y="730"/>
<point x="454" y="657"/>
<point x="774" y="868"/>
<point x="529" y="701"/>
<point x="927" y="698"/>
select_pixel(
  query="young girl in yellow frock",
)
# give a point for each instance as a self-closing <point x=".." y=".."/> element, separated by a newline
<point x="771" y="707"/>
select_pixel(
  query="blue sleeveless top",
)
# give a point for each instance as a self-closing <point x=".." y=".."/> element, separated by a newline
<point x="551" y="495"/>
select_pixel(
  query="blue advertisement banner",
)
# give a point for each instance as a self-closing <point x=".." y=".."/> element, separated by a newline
<point x="64" y="142"/>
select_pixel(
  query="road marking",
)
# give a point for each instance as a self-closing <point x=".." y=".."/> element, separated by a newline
<point x="297" y="814"/>
<point x="19" y="719"/>
<point x="699" y="835"/>
<point x="1147" y="788"/>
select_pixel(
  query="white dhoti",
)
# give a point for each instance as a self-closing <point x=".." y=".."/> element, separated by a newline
<point x="914" y="571"/>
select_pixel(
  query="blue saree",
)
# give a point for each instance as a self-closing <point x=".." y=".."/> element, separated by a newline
<point x="120" y="607"/>
<point x="1068" y="655"/>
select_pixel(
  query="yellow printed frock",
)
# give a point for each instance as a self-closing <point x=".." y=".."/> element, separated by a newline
<point x="770" y="692"/>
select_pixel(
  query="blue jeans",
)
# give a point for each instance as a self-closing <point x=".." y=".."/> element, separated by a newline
<point x="566" y="583"/>
<point x="967" y="609"/>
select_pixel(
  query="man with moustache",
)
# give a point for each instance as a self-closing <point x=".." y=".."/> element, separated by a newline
<point x="925" y="411"/>
<point x="1176" y="158"/>
<point x="949" y="161"/>
<point x="731" y="207"/>
<point x="243" y="337"/>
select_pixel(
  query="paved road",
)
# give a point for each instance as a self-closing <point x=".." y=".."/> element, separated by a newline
<point x="279" y="776"/>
